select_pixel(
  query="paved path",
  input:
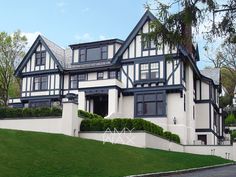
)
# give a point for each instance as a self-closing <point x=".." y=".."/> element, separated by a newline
<point x="228" y="171"/>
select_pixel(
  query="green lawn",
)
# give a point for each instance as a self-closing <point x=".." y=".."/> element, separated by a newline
<point x="28" y="154"/>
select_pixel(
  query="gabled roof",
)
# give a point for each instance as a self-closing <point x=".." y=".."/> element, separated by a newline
<point x="147" y="16"/>
<point x="56" y="52"/>
<point x="213" y="73"/>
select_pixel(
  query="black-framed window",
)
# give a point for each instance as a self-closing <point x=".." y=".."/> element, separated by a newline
<point x="40" y="58"/>
<point x="40" y="83"/>
<point x="149" y="71"/>
<point x="150" y="104"/>
<point x="144" y="71"/>
<point x="82" y="56"/>
<point x="82" y="77"/>
<point x="73" y="81"/>
<point x="154" y="70"/>
<point x="114" y="75"/>
<point x="93" y="54"/>
<point x="36" y="104"/>
<point x="104" y="52"/>
<point x="100" y="75"/>
<point x="148" y="45"/>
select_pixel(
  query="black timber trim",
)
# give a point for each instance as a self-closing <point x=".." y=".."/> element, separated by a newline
<point x="96" y="43"/>
<point x="41" y="72"/>
<point x="40" y="97"/>
<point x="147" y="16"/>
<point x="39" y="40"/>
<point x="206" y="130"/>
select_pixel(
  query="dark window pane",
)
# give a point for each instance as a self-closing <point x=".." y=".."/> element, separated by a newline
<point x="149" y="108"/>
<point x="139" y="108"/>
<point x="93" y="54"/>
<point x="104" y="52"/>
<point x="159" y="97"/>
<point x="82" y="55"/>
<point x="112" y="74"/>
<point x="100" y="75"/>
<point x="160" y="108"/>
<point x="149" y="97"/>
<point x="82" y="77"/>
<point x="139" y="97"/>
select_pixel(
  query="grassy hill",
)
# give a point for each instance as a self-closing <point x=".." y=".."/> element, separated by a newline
<point x="28" y="154"/>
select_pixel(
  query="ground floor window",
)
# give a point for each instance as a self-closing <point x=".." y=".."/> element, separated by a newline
<point x="150" y="104"/>
<point x="203" y="138"/>
<point x="36" y="104"/>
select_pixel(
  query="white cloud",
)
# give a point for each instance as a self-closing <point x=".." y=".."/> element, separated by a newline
<point x="60" y="4"/>
<point x="84" y="38"/>
<point x="102" y="37"/>
<point x="30" y="38"/>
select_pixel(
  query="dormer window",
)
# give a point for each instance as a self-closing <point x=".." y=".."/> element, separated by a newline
<point x="93" y="54"/>
<point x="40" y="58"/>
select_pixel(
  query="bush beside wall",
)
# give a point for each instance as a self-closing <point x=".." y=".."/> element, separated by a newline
<point x="29" y="112"/>
<point x="88" y="115"/>
<point x="132" y="124"/>
<point x="230" y="120"/>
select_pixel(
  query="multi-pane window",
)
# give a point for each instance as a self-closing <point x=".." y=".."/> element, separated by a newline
<point x="147" y="45"/>
<point x="149" y="71"/>
<point x="40" y="58"/>
<point x="93" y="54"/>
<point x="82" y="77"/>
<point x="100" y="75"/>
<point x="154" y="70"/>
<point x="150" y="104"/>
<point x="82" y="55"/>
<point x="36" y="104"/>
<point x="73" y="81"/>
<point x="114" y="75"/>
<point x="104" y="52"/>
<point x="40" y="83"/>
<point x="144" y="71"/>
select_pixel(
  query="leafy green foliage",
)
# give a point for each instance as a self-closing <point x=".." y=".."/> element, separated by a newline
<point x="54" y="155"/>
<point x="131" y="124"/>
<point x="29" y="112"/>
<point x="230" y="120"/>
<point x="11" y="47"/>
<point x="88" y="115"/>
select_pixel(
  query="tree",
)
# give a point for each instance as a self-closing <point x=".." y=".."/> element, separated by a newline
<point x="176" y="28"/>
<point x="11" y="48"/>
<point x="228" y="79"/>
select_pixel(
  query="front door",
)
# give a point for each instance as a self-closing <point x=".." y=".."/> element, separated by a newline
<point x="100" y="105"/>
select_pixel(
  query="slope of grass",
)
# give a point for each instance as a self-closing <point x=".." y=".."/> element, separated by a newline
<point x="28" y="154"/>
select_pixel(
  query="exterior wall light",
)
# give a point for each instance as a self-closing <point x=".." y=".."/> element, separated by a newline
<point x="174" y="120"/>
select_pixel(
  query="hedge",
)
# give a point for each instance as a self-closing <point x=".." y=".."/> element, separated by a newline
<point x="29" y="112"/>
<point x="230" y="120"/>
<point x="88" y="115"/>
<point x="120" y="123"/>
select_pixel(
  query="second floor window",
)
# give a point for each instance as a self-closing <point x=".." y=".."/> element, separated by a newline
<point x="149" y="71"/>
<point x="40" y="83"/>
<point x="74" y="81"/>
<point x="40" y="58"/>
<point x="100" y="75"/>
<point x="148" y="45"/>
<point x="93" y="54"/>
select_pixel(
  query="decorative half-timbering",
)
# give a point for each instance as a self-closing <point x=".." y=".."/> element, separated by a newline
<point x="131" y="78"/>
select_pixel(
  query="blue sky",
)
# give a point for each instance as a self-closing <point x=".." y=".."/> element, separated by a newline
<point x="73" y="21"/>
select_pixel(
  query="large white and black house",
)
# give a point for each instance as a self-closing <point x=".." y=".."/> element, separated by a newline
<point x="130" y="78"/>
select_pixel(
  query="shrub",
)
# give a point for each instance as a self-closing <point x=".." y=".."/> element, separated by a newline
<point x="55" y="111"/>
<point x="167" y="135"/>
<point x="29" y="112"/>
<point x="118" y="123"/>
<point x="230" y="120"/>
<point x="88" y="115"/>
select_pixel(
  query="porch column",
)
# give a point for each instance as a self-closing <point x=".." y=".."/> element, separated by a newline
<point x="81" y="101"/>
<point x="112" y="102"/>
